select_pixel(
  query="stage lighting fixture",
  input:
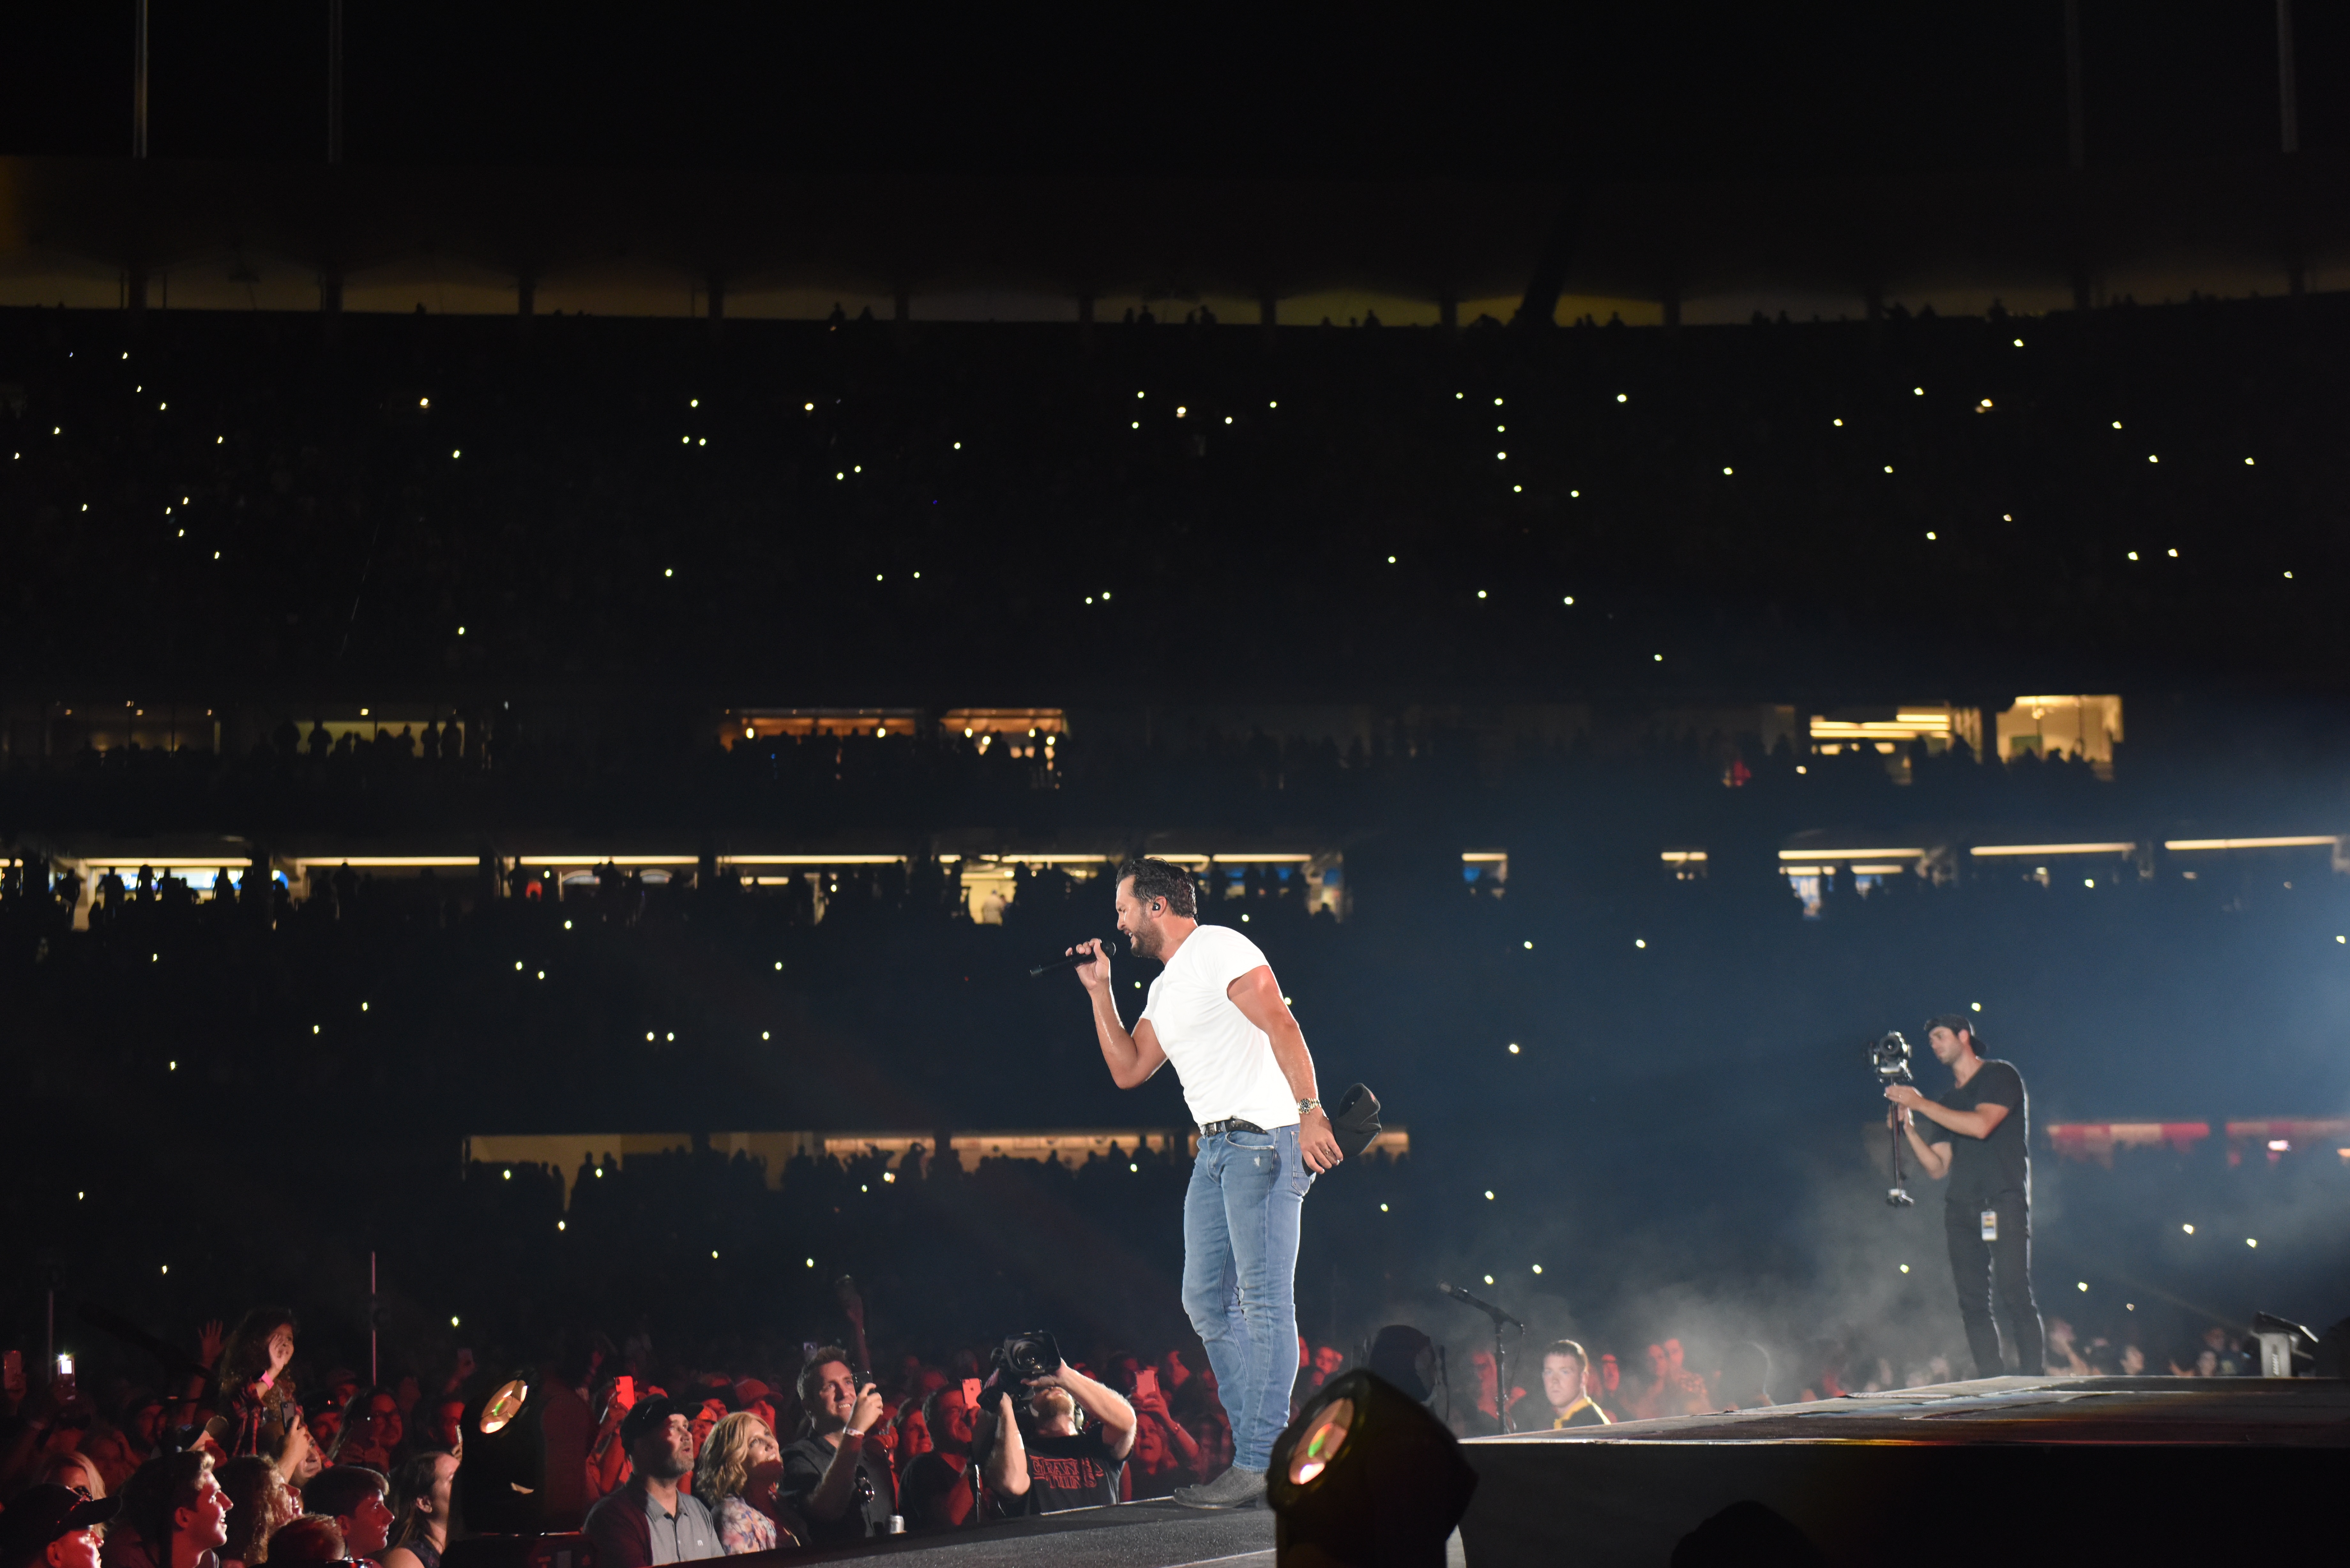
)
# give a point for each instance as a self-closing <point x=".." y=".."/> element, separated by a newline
<point x="1366" y="1478"/>
<point x="525" y="1459"/>
<point x="504" y="1406"/>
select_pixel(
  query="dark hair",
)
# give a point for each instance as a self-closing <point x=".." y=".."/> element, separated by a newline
<point x="245" y="1357"/>
<point x="159" y="1489"/>
<point x="1395" y="1356"/>
<point x="337" y="1492"/>
<point x="1957" y="1024"/>
<point x="1158" y="880"/>
<point x="356" y="1407"/>
<point x="411" y="1483"/>
<point x="251" y="1481"/>
<point x="309" y="1538"/>
<point x="811" y="1375"/>
<point x="1566" y="1347"/>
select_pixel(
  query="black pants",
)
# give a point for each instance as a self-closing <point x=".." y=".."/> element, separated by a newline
<point x="1979" y="1266"/>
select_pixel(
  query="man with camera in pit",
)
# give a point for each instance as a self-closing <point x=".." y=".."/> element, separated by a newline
<point x="1063" y="1443"/>
<point x="1979" y="1143"/>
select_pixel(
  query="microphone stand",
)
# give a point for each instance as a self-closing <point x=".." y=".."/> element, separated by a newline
<point x="1501" y="1364"/>
<point x="1500" y="1382"/>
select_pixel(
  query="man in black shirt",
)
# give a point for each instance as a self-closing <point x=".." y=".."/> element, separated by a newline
<point x="844" y="1492"/>
<point x="1981" y="1143"/>
<point x="937" y="1492"/>
<point x="1057" y="1465"/>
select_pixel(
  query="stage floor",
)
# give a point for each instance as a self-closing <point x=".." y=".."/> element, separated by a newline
<point x="2022" y="1469"/>
<point x="1137" y="1536"/>
<point x="2284" y="1411"/>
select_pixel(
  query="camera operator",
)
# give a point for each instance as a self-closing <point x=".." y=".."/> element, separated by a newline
<point x="1981" y="1144"/>
<point x="1055" y="1464"/>
<point x="844" y="1492"/>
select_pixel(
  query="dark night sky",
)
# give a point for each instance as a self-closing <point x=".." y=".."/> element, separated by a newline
<point x="1653" y="90"/>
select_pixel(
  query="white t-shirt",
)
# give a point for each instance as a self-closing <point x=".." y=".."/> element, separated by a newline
<point x="1225" y="1063"/>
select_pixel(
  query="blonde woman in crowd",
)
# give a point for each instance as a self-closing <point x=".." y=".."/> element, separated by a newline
<point x="735" y="1478"/>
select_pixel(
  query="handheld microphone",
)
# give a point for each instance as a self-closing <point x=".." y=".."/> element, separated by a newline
<point x="1071" y="961"/>
<point x="1488" y="1308"/>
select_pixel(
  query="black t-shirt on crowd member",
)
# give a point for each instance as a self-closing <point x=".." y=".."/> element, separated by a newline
<point x="1982" y="1169"/>
<point x="805" y="1463"/>
<point x="936" y="1494"/>
<point x="1076" y="1471"/>
<point x="1582" y="1413"/>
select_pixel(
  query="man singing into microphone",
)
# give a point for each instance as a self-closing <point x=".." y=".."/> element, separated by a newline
<point x="1216" y="1012"/>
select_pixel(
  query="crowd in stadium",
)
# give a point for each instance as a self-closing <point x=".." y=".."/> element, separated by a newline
<point x="254" y="1451"/>
<point x="490" y="517"/>
<point x="483" y="503"/>
<point x="320" y="1071"/>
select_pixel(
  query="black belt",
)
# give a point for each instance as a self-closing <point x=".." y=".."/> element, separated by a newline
<point x="1209" y="1129"/>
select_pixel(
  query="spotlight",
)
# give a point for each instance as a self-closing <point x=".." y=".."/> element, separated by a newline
<point x="525" y="1459"/>
<point x="1366" y="1476"/>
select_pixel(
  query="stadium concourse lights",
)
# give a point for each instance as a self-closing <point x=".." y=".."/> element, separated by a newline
<point x="2115" y="848"/>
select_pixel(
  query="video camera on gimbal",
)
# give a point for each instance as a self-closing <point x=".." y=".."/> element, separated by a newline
<point x="1888" y="1054"/>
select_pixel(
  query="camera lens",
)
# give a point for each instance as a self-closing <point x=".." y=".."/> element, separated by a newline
<point x="1032" y="1354"/>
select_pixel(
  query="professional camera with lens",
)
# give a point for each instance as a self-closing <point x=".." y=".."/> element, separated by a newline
<point x="1890" y="1056"/>
<point x="1035" y="1353"/>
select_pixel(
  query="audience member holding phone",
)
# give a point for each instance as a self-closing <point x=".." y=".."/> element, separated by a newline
<point x="844" y="1492"/>
<point x="1166" y="1455"/>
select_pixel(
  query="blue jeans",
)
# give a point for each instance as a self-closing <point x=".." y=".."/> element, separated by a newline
<point x="1240" y="1277"/>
